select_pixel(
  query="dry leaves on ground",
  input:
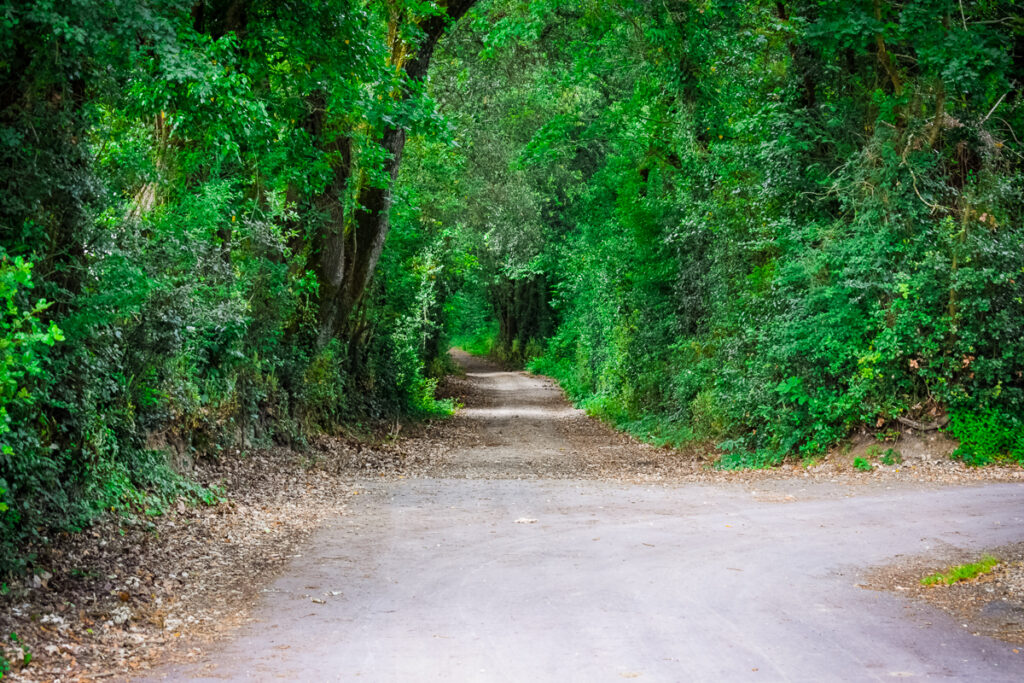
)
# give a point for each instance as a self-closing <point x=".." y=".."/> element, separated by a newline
<point x="111" y="599"/>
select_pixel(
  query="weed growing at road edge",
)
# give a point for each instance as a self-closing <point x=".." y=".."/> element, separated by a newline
<point x="963" y="572"/>
<point x="891" y="457"/>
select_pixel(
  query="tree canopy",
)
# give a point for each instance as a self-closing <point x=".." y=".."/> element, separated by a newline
<point x="757" y="226"/>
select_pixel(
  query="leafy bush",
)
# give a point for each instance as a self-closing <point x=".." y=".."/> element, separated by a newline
<point x="182" y="212"/>
<point x="987" y="435"/>
<point x="24" y="344"/>
<point x="758" y="226"/>
<point x="479" y="343"/>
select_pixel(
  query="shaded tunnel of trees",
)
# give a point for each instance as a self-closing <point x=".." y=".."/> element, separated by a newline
<point x="756" y="226"/>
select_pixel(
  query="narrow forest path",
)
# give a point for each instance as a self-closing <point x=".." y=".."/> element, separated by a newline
<point x="512" y="554"/>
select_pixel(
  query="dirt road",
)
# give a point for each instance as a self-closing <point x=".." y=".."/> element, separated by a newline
<point x="509" y="555"/>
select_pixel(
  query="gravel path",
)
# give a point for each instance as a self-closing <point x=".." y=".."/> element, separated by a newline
<point x="510" y="548"/>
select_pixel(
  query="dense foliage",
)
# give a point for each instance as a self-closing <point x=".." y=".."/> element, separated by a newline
<point x="763" y="225"/>
<point x="195" y="195"/>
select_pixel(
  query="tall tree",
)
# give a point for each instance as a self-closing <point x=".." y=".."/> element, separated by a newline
<point x="349" y="250"/>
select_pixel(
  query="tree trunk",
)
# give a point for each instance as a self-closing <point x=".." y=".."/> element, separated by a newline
<point x="348" y="257"/>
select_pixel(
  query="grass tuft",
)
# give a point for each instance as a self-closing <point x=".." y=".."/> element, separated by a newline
<point x="963" y="572"/>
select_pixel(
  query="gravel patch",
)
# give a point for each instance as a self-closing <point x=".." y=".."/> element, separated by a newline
<point x="990" y="605"/>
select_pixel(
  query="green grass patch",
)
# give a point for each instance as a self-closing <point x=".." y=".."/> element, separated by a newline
<point x="963" y="572"/>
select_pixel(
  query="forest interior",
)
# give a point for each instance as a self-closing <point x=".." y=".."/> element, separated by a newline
<point x="751" y="235"/>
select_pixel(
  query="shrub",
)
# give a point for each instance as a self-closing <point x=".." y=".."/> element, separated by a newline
<point x="986" y="435"/>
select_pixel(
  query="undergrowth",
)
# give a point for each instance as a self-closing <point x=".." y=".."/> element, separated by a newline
<point x="987" y="435"/>
<point x="480" y="342"/>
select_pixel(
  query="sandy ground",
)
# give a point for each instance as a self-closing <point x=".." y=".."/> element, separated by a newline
<point x="523" y="541"/>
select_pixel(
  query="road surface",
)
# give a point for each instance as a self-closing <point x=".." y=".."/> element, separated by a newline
<point x="499" y="564"/>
